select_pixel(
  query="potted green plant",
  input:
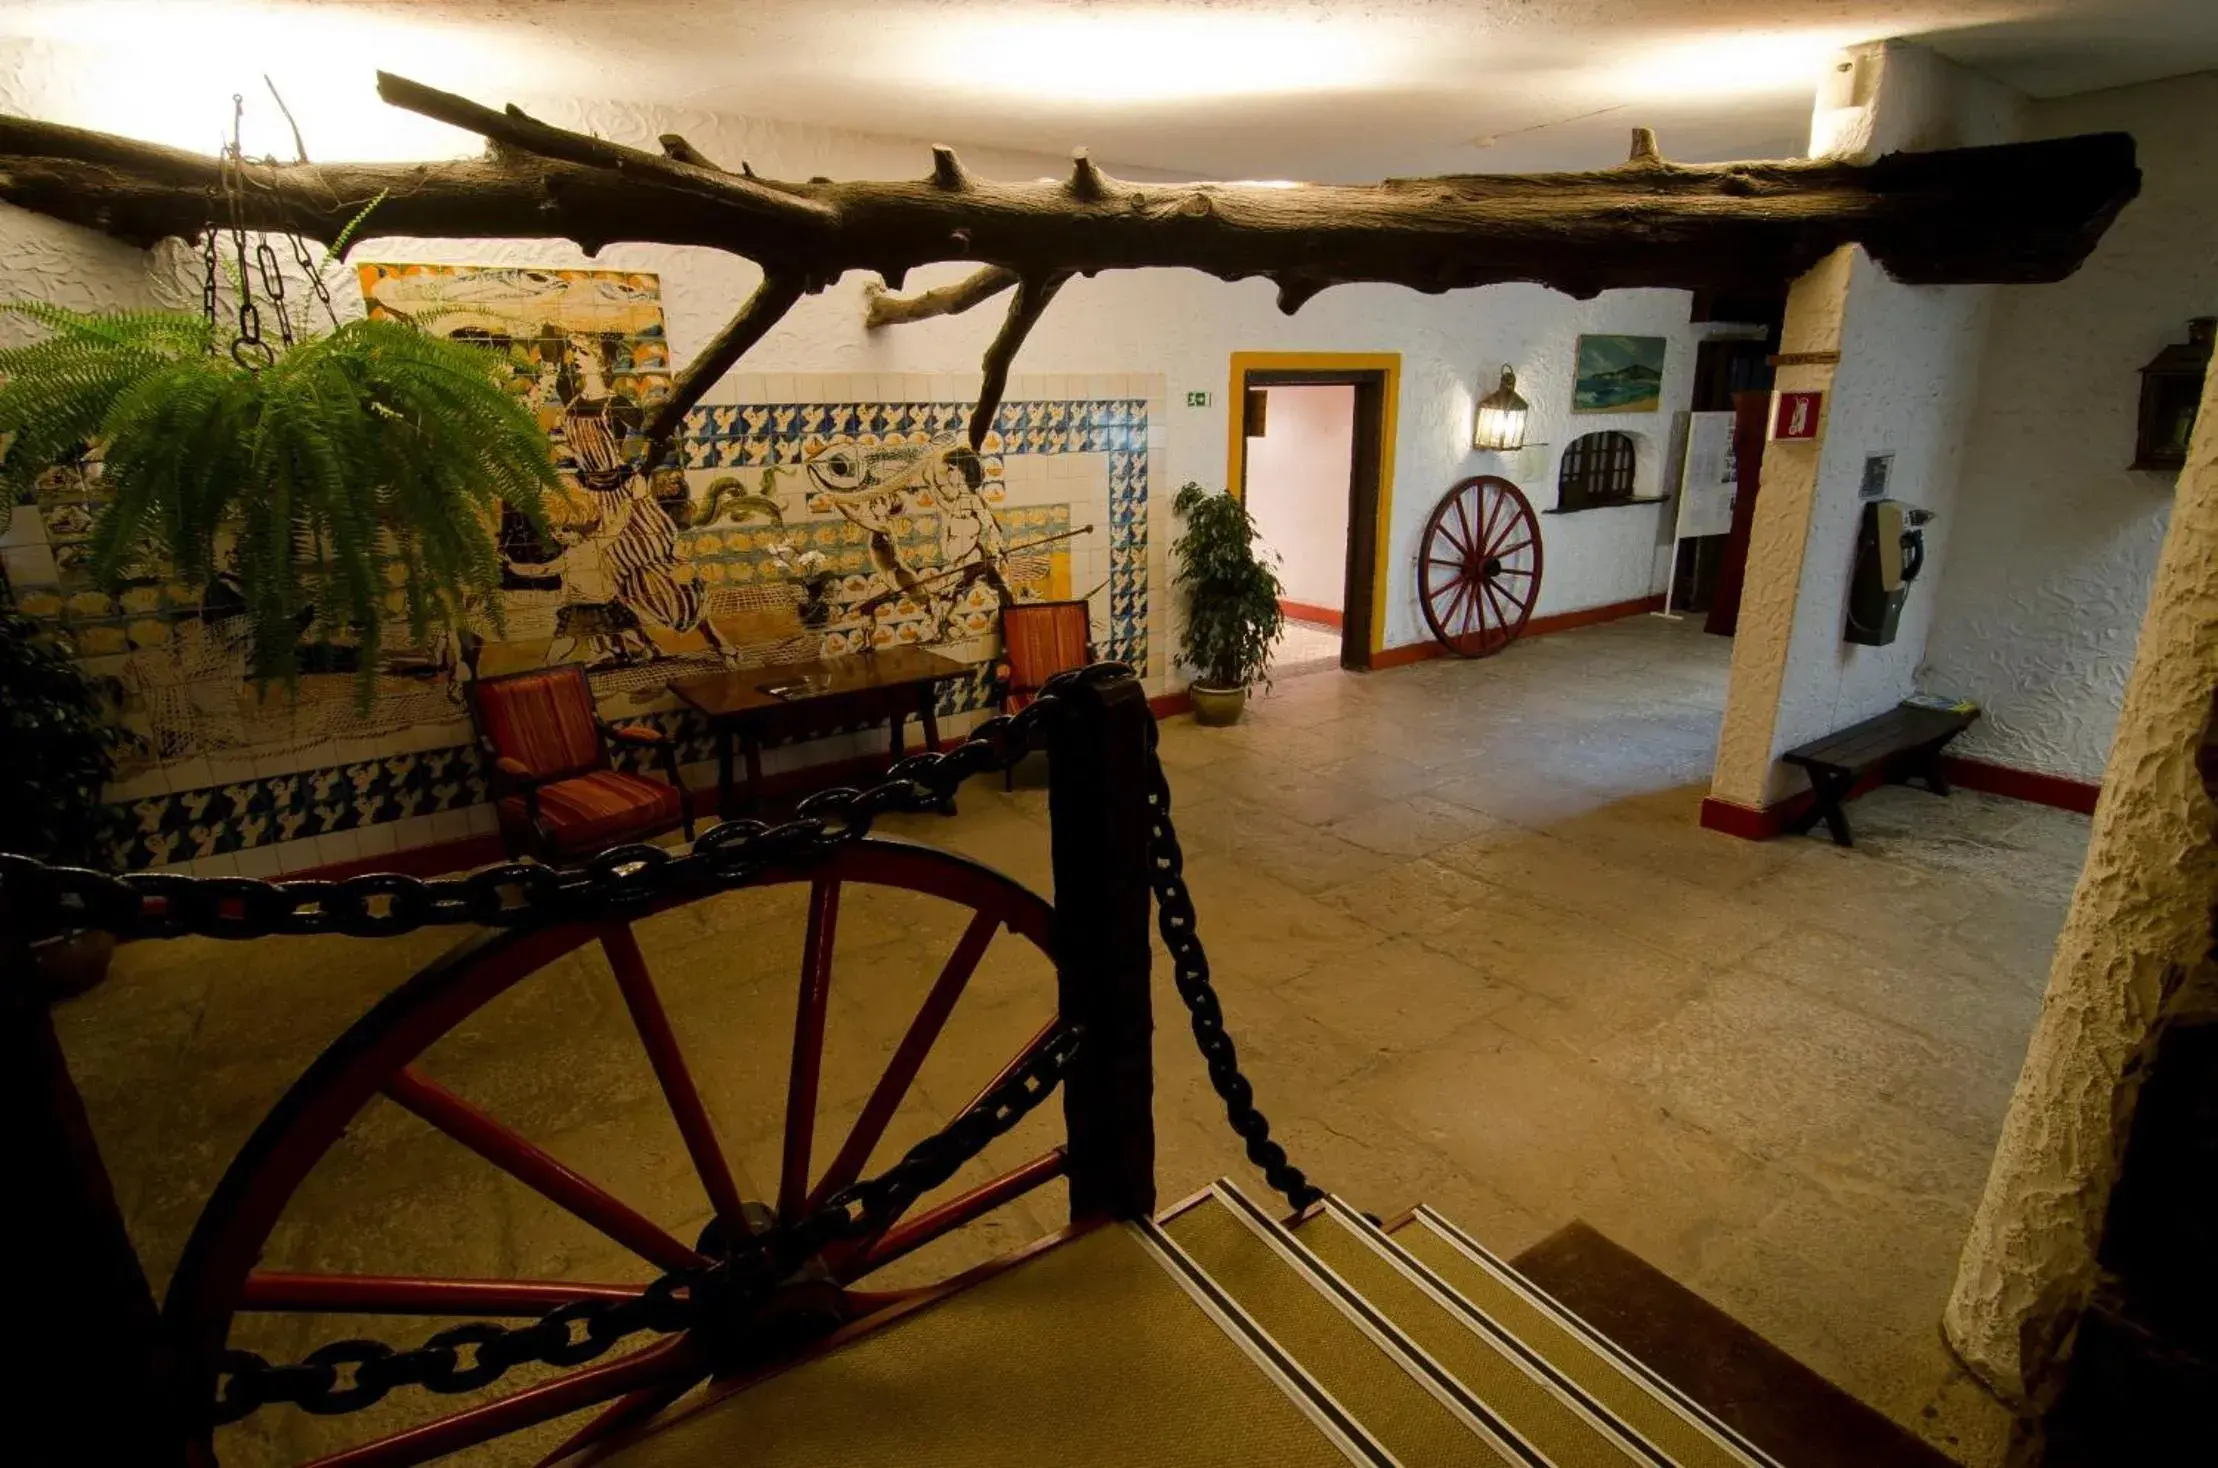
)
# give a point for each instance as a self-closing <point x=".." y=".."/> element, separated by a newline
<point x="57" y="753"/>
<point x="1232" y="612"/>
<point x="336" y="485"/>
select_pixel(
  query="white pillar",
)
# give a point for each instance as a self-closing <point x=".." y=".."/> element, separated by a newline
<point x="2139" y="929"/>
<point x="1748" y="741"/>
<point x="1898" y="366"/>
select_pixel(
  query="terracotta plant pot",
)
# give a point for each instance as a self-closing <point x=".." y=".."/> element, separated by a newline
<point x="1217" y="706"/>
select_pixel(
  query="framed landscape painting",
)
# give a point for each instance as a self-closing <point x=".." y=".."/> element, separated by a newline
<point x="1618" y="374"/>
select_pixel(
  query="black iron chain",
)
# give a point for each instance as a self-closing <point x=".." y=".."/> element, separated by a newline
<point x="349" y="1375"/>
<point x="247" y="347"/>
<point x="273" y="283"/>
<point x="208" y="277"/>
<point x="620" y="880"/>
<point x="312" y="267"/>
<point x="346" y="1376"/>
<point x="1174" y="919"/>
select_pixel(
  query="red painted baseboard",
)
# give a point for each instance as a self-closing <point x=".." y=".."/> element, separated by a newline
<point x="1408" y="652"/>
<point x="1973" y="774"/>
<point x="1761" y="825"/>
<point x="1750" y="823"/>
<point x="2058" y="790"/>
<point x="1615" y="611"/>
<point x="1418" y="652"/>
<point x="1302" y="611"/>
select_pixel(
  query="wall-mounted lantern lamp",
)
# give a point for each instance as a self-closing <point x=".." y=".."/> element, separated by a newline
<point x="2171" y="389"/>
<point x="1501" y="418"/>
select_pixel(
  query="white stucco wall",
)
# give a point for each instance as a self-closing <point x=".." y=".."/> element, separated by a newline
<point x="1905" y="384"/>
<point x="2056" y="540"/>
<point x="1298" y="489"/>
<point x="1179" y="324"/>
<point x="1910" y="357"/>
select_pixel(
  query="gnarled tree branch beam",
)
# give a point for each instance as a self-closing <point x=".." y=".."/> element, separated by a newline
<point x="764" y="310"/>
<point x="1024" y="313"/>
<point x="2014" y="213"/>
<point x="882" y="308"/>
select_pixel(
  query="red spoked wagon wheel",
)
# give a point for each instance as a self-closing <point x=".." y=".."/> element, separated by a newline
<point x="1478" y="571"/>
<point x="221" y="1280"/>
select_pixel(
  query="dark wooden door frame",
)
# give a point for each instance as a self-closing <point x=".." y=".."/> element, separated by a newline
<point x="1752" y="412"/>
<point x="1366" y="478"/>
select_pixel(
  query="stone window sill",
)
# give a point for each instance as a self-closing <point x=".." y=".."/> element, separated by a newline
<point x="1640" y="499"/>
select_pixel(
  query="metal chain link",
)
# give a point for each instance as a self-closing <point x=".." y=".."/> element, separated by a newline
<point x="1174" y="919"/>
<point x="625" y="879"/>
<point x="517" y="894"/>
<point x="273" y="282"/>
<point x="208" y="261"/>
<point x="349" y="1375"/>
<point x="247" y="347"/>
<point x="311" y="267"/>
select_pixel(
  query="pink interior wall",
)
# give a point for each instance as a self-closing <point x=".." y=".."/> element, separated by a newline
<point x="1298" y="488"/>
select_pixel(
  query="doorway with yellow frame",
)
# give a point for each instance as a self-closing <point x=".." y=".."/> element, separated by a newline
<point x="1321" y="491"/>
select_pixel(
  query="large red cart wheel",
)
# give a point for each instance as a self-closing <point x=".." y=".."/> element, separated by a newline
<point x="1478" y="571"/>
<point x="221" y="1285"/>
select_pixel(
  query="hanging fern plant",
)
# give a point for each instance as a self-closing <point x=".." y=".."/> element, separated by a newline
<point x="355" y="477"/>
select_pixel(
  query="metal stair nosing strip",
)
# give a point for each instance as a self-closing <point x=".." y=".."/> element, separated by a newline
<point x="1605" y="1423"/>
<point x="1436" y="1379"/>
<point x="1332" y="1419"/>
<point x="1632" y="1367"/>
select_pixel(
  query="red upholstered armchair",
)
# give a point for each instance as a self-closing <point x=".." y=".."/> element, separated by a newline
<point x="556" y="791"/>
<point x="1038" y="640"/>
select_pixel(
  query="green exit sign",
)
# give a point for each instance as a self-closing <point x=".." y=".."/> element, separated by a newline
<point x="1197" y="400"/>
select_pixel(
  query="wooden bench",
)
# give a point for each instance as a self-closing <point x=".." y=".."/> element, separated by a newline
<point x="1901" y="744"/>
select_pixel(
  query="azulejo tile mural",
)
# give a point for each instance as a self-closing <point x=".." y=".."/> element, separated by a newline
<point x="787" y="530"/>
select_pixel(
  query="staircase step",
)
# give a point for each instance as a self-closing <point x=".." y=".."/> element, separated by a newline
<point x="1108" y="1350"/>
<point x="1664" y="1416"/>
<point x="1415" y="1408"/>
<point x="1568" y="1428"/>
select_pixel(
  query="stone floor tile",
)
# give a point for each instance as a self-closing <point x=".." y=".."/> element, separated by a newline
<point x="1419" y="896"/>
<point x="1562" y="1140"/>
<point x="1418" y="826"/>
<point x="1469" y="937"/>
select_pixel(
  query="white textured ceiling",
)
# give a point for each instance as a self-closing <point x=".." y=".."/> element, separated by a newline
<point x="1227" y="88"/>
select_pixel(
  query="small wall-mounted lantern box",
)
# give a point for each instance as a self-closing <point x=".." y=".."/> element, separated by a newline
<point x="1795" y="414"/>
<point x="2171" y="388"/>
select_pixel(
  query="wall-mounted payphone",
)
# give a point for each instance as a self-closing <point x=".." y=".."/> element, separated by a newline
<point x="1890" y="551"/>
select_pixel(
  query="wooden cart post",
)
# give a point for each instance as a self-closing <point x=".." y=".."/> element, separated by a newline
<point x="1098" y="814"/>
<point x="93" y="1356"/>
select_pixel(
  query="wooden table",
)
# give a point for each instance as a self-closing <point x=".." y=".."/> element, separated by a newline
<point x="861" y="688"/>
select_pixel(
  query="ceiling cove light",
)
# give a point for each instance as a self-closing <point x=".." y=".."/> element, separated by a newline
<point x="1739" y="64"/>
<point x="1123" y="56"/>
<point x="166" y="71"/>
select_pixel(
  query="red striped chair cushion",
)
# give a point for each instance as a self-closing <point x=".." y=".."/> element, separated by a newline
<point x="599" y="809"/>
<point x="1039" y="640"/>
<point x="544" y="720"/>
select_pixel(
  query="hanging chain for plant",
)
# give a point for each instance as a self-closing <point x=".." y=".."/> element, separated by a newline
<point x="273" y="282"/>
<point x="248" y="349"/>
<point x="227" y="213"/>
<point x="208" y="278"/>
<point x="310" y="266"/>
<point x="346" y="1376"/>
